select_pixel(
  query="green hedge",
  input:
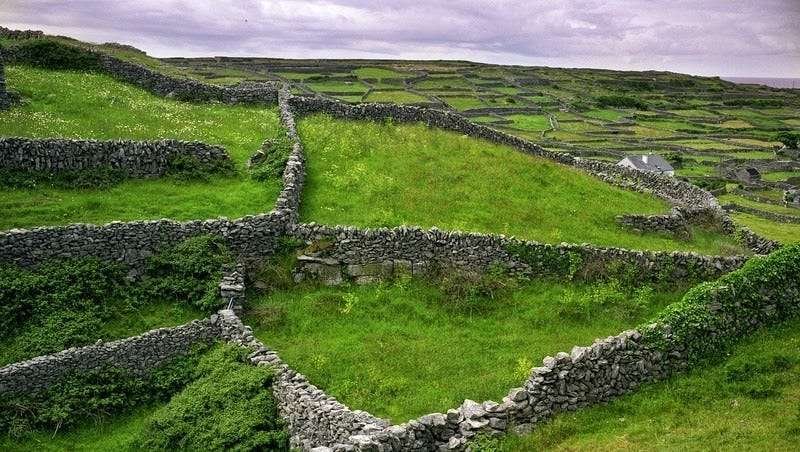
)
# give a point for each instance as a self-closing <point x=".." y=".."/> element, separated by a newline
<point x="50" y="54"/>
<point x="714" y="315"/>
<point x="229" y="407"/>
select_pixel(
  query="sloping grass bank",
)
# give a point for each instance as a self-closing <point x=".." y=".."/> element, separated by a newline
<point x="410" y="348"/>
<point x="87" y="105"/>
<point x="380" y="174"/>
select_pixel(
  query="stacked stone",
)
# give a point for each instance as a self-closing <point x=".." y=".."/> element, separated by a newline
<point x="5" y="97"/>
<point x="294" y="173"/>
<point x="671" y="224"/>
<point x="313" y="417"/>
<point x="232" y="288"/>
<point x="138" y="354"/>
<point x="365" y="255"/>
<point x="20" y="34"/>
<point x="141" y="159"/>
<point x="250" y="237"/>
<point x="757" y="243"/>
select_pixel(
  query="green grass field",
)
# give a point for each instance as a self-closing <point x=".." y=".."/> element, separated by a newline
<point x="741" y="200"/>
<point x="531" y="123"/>
<point x="378" y="73"/>
<point x="782" y="232"/>
<point x="375" y="174"/>
<point x="406" y="349"/>
<point x="749" y="401"/>
<point x="780" y="175"/>
<point x="398" y="97"/>
<point x="464" y="102"/>
<point x="82" y="105"/>
<point x="337" y="86"/>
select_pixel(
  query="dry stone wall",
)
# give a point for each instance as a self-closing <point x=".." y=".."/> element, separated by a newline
<point x="136" y="158"/>
<point x="313" y="417"/>
<point x="362" y="255"/>
<point x="138" y="354"/>
<point x="251" y="237"/>
<point x="294" y="172"/>
<point x="5" y="97"/>
<point x="777" y="217"/>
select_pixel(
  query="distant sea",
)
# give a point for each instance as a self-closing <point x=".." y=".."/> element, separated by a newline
<point x="769" y="81"/>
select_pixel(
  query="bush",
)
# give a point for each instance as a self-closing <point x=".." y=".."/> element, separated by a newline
<point x="621" y="102"/>
<point x="789" y="139"/>
<point x="189" y="168"/>
<point x="270" y="162"/>
<point x="50" y="54"/>
<point x="228" y="407"/>
<point x="189" y="272"/>
<point x="94" y="393"/>
<point x="713" y="315"/>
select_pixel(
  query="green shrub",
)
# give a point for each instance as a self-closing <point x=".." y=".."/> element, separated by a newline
<point x="91" y="394"/>
<point x="789" y="139"/>
<point x="189" y="272"/>
<point x="621" y="102"/>
<point x="229" y="407"/>
<point x="713" y="315"/>
<point x="49" y="54"/>
<point x="273" y="161"/>
<point x="190" y="168"/>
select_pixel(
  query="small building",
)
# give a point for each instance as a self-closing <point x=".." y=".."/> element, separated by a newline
<point x="748" y="175"/>
<point x="649" y="162"/>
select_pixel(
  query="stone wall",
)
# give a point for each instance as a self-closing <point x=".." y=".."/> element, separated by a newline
<point x="294" y="172"/>
<point x="135" y="158"/>
<point x="5" y="97"/>
<point x="344" y="253"/>
<point x="251" y="237"/>
<point x="313" y="417"/>
<point x="20" y="34"/>
<point x="755" y="242"/>
<point x="675" y="191"/>
<point x="139" y="354"/>
<point x="777" y="217"/>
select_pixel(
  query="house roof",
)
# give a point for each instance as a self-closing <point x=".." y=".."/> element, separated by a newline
<point x="649" y="162"/>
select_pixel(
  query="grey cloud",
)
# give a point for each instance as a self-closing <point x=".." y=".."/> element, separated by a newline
<point x="729" y="37"/>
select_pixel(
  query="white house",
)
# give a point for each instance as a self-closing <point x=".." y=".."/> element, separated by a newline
<point x="650" y="162"/>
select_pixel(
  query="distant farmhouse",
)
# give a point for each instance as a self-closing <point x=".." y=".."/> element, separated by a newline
<point x="650" y="163"/>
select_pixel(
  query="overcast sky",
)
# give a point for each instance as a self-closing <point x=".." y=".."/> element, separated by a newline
<point x="704" y="37"/>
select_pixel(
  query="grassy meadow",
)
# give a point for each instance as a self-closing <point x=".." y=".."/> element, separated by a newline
<point x="748" y="401"/>
<point x="376" y="174"/>
<point x="409" y="348"/>
<point x="84" y="105"/>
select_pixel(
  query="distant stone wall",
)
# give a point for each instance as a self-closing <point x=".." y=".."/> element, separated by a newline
<point x="20" y="34"/>
<point x="755" y="242"/>
<point x="251" y="237"/>
<point x="5" y="97"/>
<point x="294" y="173"/>
<point x="136" y="158"/>
<point x="138" y="354"/>
<point x="777" y="217"/>
<point x="364" y="255"/>
<point x="675" y="191"/>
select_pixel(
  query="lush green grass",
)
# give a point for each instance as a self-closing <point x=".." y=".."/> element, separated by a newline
<point x="376" y="174"/>
<point x="741" y="200"/>
<point x="512" y="90"/>
<point x="101" y="435"/>
<point x="444" y="82"/>
<point x="780" y="175"/>
<point x="407" y="349"/>
<point x="464" y="102"/>
<point x="337" y="86"/>
<point x="782" y="232"/>
<point x="398" y="97"/>
<point x="605" y="114"/>
<point x="749" y="401"/>
<point x="81" y="105"/>
<point x="694" y="113"/>
<point x="532" y="123"/>
<point x="702" y="145"/>
<point x="378" y="73"/>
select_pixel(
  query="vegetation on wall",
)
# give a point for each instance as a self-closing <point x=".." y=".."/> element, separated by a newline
<point x="62" y="304"/>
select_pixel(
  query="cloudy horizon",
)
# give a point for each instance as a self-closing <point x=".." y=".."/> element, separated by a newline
<point x="732" y="38"/>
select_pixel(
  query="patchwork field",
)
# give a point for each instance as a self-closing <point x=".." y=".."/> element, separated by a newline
<point x="84" y="105"/>
<point x="371" y="174"/>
